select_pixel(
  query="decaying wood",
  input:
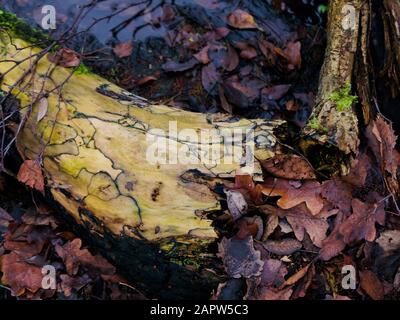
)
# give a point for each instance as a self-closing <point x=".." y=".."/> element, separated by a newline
<point x="92" y="142"/>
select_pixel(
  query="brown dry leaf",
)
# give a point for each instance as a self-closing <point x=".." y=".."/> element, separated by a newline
<point x="232" y="59"/>
<point x="382" y="140"/>
<point x="20" y="275"/>
<point x="42" y="108"/>
<point x="359" y="225"/>
<point x="237" y="204"/>
<point x="371" y="284"/>
<point x="308" y="192"/>
<point x="246" y="183"/>
<point x="68" y="284"/>
<point x="73" y="256"/>
<point x="297" y="276"/>
<point x="30" y="173"/>
<point x="202" y="55"/>
<point x="268" y="50"/>
<point x="270" y="226"/>
<point x="282" y="247"/>
<point x="174" y="66"/>
<point x="358" y="171"/>
<point x="275" y="92"/>
<point x="289" y="167"/>
<point x="123" y="49"/>
<point x="224" y="102"/>
<point x="65" y="58"/>
<point x="302" y="221"/>
<point x="5" y="216"/>
<point x="168" y="13"/>
<point x="240" y="258"/>
<point x="209" y="77"/>
<point x="248" y="53"/>
<point x="293" y="54"/>
<point x="250" y="226"/>
<point x="275" y="293"/>
<point x="339" y="193"/>
<point x="241" y="20"/>
<point x="145" y="80"/>
<point x="304" y="284"/>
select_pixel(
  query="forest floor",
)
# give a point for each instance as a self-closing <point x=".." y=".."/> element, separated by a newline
<point x="254" y="59"/>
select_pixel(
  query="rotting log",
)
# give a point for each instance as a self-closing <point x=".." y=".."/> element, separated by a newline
<point x="93" y="140"/>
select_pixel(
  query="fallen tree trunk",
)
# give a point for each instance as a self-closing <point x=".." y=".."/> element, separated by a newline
<point x="128" y="171"/>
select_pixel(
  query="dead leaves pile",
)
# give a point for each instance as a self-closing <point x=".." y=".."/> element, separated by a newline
<point x="32" y="239"/>
<point x="293" y="233"/>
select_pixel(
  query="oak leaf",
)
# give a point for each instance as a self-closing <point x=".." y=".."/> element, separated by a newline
<point x="30" y="173"/>
<point x="308" y="192"/>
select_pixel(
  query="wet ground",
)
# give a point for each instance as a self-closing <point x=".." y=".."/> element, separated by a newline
<point x="186" y="53"/>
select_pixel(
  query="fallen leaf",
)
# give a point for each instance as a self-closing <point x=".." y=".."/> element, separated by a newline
<point x="232" y="59"/>
<point x="248" y="53"/>
<point x="276" y="293"/>
<point x="276" y="92"/>
<point x="382" y="140"/>
<point x="273" y="273"/>
<point x="240" y="258"/>
<point x="65" y="58"/>
<point x="144" y="80"/>
<point x="168" y="13"/>
<point x="123" y="49"/>
<point x="309" y="192"/>
<point x="250" y="226"/>
<point x="297" y="276"/>
<point x="224" y="103"/>
<point x="69" y="284"/>
<point x="241" y="20"/>
<point x="237" y="204"/>
<point x="19" y="275"/>
<point x="209" y="77"/>
<point x="293" y="54"/>
<point x="305" y="282"/>
<point x="289" y="167"/>
<point x="292" y="105"/>
<point x="282" y="247"/>
<point x="173" y="66"/>
<point x="371" y="284"/>
<point x="271" y="224"/>
<point x="202" y="55"/>
<point x="360" y="225"/>
<point x="268" y="50"/>
<point x="358" y="171"/>
<point x="73" y="256"/>
<point x="30" y="173"/>
<point x="42" y="108"/>
<point x="339" y="193"/>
